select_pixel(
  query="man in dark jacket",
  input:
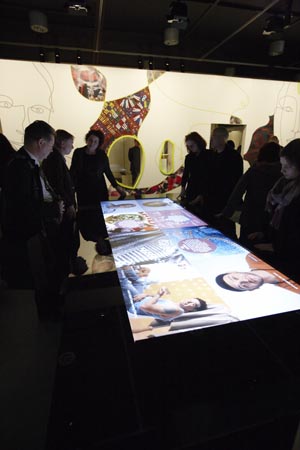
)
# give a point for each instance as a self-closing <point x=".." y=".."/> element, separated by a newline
<point x="227" y="168"/>
<point x="30" y="215"/>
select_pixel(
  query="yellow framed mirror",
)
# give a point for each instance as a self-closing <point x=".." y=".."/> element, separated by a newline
<point x="166" y="157"/>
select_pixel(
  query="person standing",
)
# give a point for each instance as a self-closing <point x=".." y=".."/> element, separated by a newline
<point x="31" y="215"/>
<point x="134" y="156"/>
<point x="58" y="174"/>
<point x="227" y="168"/>
<point x="89" y="165"/>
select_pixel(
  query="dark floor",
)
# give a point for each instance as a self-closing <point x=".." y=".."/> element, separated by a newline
<point x="234" y="387"/>
<point x="28" y="354"/>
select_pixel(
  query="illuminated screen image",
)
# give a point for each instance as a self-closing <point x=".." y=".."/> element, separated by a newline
<point x="189" y="276"/>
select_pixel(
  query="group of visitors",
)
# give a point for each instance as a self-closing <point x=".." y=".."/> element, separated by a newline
<point x="266" y="196"/>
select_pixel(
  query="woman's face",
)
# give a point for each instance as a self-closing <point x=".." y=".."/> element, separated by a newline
<point x="92" y="142"/>
<point x="67" y="146"/>
<point x="191" y="146"/>
<point x="289" y="170"/>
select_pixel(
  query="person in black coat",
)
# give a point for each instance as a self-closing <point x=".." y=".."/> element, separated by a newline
<point x="195" y="178"/>
<point x="283" y="207"/>
<point x="59" y="177"/>
<point x="31" y="215"/>
<point x="88" y="167"/>
<point x="226" y="170"/>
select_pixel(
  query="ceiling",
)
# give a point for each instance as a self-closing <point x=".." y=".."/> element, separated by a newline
<point x="221" y="37"/>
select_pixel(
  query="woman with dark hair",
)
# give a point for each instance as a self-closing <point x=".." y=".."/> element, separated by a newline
<point x="255" y="184"/>
<point x="89" y="165"/>
<point x="194" y="177"/>
<point x="283" y="207"/>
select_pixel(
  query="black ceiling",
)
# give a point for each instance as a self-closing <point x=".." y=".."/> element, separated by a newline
<point x="222" y="37"/>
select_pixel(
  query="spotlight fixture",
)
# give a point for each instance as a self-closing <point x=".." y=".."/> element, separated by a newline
<point x="78" y="7"/>
<point x="78" y="58"/>
<point x="57" y="56"/>
<point x="38" y="21"/>
<point x="276" y="24"/>
<point x="177" y="14"/>
<point x="140" y="62"/>
<point x="167" y="66"/>
<point x="150" y="64"/>
<point x="276" y="47"/>
<point x="182" y="67"/>
<point x="171" y="36"/>
<point x="42" y="55"/>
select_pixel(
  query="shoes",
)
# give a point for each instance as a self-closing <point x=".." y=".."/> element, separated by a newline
<point x="79" y="266"/>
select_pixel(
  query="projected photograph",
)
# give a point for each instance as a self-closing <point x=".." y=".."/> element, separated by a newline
<point x="186" y="278"/>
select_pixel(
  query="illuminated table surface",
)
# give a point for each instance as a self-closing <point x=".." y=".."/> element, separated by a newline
<point x="158" y="245"/>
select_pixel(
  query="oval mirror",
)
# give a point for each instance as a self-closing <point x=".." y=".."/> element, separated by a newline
<point x="126" y="159"/>
<point x="166" y="158"/>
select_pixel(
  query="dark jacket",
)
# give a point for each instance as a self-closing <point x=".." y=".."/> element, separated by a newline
<point x="196" y="174"/>
<point x="87" y="172"/>
<point x="24" y="211"/>
<point x="256" y="183"/>
<point x="59" y="177"/>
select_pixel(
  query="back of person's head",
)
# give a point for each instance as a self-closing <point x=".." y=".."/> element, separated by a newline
<point x="292" y="152"/>
<point x="269" y="152"/>
<point x="231" y="144"/>
<point x="197" y="138"/>
<point x="38" y="130"/>
<point x="61" y="136"/>
<point x="273" y="138"/>
<point x="221" y="131"/>
<point x="5" y="145"/>
<point x="96" y="133"/>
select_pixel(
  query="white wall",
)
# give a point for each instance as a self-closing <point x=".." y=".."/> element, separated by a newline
<point x="180" y="103"/>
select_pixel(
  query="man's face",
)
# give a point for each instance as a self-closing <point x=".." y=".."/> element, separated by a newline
<point x="243" y="281"/>
<point x="218" y="139"/>
<point x="189" y="304"/>
<point x="45" y="147"/>
<point x="289" y="170"/>
<point x="67" y="146"/>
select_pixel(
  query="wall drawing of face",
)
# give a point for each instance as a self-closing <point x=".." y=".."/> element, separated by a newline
<point x="17" y="108"/>
<point x="287" y="114"/>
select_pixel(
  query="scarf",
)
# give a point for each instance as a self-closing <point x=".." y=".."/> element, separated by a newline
<point x="280" y="196"/>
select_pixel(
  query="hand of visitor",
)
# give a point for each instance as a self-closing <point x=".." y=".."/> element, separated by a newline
<point x="264" y="247"/>
<point x="256" y="236"/>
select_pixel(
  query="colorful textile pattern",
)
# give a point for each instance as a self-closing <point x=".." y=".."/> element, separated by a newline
<point x="123" y="116"/>
<point x="170" y="182"/>
<point x="259" y="138"/>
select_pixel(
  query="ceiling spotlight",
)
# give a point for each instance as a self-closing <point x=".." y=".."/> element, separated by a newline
<point x="38" y="21"/>
<point x="177" y="14"/>
<point x="42" y="55"/>
<point x="276" y="24"/>
<point x="182" y="67"/>
<point x="78" y="58"/>
<point x="140" y="62"/>
<point x="167" y="66"/>
<point x="57" y="56"/>
<point x="150" y="64"/>
<point x="78" y="7"/>
<point x="171" y="36"/>
<point x="276" y="47"/>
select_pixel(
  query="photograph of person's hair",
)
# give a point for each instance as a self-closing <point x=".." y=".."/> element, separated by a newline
<point x="195" y="137"/>
<point x="38" y="130"/>
<point x="292" y="152"/>
<point x="202" y="306"/>
<point x="220" y="282"/>
<point x="96" y="133"/>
